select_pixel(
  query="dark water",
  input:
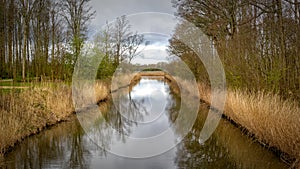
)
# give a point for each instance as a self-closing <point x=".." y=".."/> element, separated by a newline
<point x="150" y="109"/>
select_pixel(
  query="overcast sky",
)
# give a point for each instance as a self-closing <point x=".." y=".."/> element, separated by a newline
<point x="108" y="10"/>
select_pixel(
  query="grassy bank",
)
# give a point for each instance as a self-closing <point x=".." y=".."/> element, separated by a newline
<point x="27" y="112"/>
<point x="273" y="121"/>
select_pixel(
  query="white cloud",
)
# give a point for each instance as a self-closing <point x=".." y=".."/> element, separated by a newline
<point x="155" y="51"/>
<point x="152" y="56"/>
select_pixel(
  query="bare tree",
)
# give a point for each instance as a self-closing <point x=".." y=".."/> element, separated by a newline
<point x="258" y="41"/>
<point x="77" y="14"/>
<point x="125" y="43"/>
<point x="117" y="43"/>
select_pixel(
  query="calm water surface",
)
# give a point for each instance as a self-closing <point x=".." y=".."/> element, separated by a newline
<point x="149" y="109"/>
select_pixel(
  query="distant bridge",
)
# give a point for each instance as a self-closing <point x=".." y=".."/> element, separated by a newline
<point x="152" y="73"/>
<point x="155" y="75"/>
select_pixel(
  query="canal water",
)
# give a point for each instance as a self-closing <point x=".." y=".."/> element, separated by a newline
<point x="147" y="110"/>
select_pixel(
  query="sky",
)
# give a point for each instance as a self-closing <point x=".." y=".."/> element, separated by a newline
<point x="157" y="27"/>
<point x="108" y="10"/>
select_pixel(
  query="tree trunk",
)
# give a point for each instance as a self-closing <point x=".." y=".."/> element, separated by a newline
<point x="282" y="51"/>
<point x="2" y="38"/>
<point x="24" y="52"/>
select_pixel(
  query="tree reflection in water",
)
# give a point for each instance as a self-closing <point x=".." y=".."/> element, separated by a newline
<point x="79" y="152"/>
<point x="68" y="145"/>
<point x="226" y="148"/>
<point x="192" y="154"/>
<point x="125" y="107"/>
<point x="125" y="117"/>
<point x="61" y="146"/>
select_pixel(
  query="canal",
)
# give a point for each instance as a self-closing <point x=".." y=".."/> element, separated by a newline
<point x="149" y="109"/>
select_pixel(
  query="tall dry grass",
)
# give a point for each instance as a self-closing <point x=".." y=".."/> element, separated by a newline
<point x="29" y="111"/>
<point x="274" y="121"/>
<point x="101" y="91"/>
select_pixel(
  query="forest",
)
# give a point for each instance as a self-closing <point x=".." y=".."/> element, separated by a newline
<point x="258" y="41"/>
<point x="44" y="38"/>
<point x="41" y="37"/>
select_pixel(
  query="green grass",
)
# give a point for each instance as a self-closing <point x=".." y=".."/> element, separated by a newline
<point x="11" y="83"/>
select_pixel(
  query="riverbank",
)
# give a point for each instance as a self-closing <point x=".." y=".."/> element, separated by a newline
<point x="270" y="120"/>
<point x="29" y="111"/>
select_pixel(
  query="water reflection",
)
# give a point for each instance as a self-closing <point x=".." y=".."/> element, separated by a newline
<point x="143" y="113"/>
<point x="60" y="147"/>
<point x="149" y="109"/>
<point x="227" y="148"/>
<point x="143" y="107"/>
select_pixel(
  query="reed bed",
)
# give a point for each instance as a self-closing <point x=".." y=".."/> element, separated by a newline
<point x="27" y="112"/>
<point x="273" y="121"/>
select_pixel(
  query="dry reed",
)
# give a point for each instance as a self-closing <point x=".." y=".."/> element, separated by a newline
<point x="273" y="121"/>
<point x="27" y="112"/>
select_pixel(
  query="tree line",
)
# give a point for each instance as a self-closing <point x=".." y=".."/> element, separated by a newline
<point x="258" y="41"/>
<point x="42" y="37"/>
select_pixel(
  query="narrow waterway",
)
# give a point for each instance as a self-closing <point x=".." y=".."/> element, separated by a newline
<point x="148" y="110"/>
